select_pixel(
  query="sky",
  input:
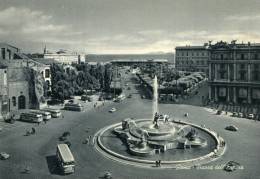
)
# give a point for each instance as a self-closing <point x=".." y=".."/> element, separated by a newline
<point x="126" y="26"/>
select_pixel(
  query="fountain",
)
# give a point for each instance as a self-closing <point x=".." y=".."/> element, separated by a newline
<point x="155" y="96"/>
<point x="148" y="138"/>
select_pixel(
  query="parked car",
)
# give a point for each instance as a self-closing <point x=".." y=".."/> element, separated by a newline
<point x="71" y="101"/>
<point x="109" y="97"/>
<point x="84" y="98"/>
<point x="143" y="96"/>
<point x="112" y="110"/>
<point x="235" y="114"/>
<point x="240" y="115"/>
<point x="219" y="112"/>
<point x="4" y="155"/>
<point x="73" y="107"/>
<point x="250" y="116"/>
<point x="231" y="128"/>
<point x="129" y="96"/>
<point x="231" y="166"/>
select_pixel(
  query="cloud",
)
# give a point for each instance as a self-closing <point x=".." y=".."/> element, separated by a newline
<point x="34" y="28"/>
<point x="32" y="25"/>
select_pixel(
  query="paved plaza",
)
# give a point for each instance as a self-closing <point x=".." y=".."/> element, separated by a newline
<point x="38" y="151"/>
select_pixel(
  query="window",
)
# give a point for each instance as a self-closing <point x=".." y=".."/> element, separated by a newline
<point x="242" y="56"/>
<point x="47" y="73"/>
<point x="222" y="75"/>
<point x="242" y="76"/>
<point x="221" y="56"/>
<point x="3" y="53"/>
<point x="14" y="100"/>
<point x="222" y="66"/>
<point x="9" y="54"/>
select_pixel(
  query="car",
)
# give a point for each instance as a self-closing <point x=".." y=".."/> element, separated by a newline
<point x="219" y="112"/>
<point x="4" y="155"/>
<point x="231" y="166"/>
<point x="71" y="101"/>
<point x="84" y="97"/>
<point x="129" y="96"/>
<point x="231" y="128"/>
<point x="143" y="96"/>
<point x="250" y="116"/>
<point x="112" y="110"/>
<point x="100" y="98"/>
<point x="235" y="114"/>
<point x="109" y="97"/>
<point x="240" y="115"/>
<point x="128" y="88"/>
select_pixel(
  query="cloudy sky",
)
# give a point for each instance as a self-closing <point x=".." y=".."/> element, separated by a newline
<point x="126" y="26"/>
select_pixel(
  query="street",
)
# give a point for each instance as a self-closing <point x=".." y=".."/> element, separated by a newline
<point x="38" y="151"/>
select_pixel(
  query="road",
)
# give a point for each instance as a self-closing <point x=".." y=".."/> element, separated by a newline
<point x="38" y="151"/>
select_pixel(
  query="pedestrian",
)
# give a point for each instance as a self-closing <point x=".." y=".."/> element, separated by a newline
<point x="156" y="163"/>
<point x="45" y="121"/>
<point x="89" y="137"/>
<point x="86" y="141"/>
<point x="33" y="130"/>
<point x="159" y="162"/>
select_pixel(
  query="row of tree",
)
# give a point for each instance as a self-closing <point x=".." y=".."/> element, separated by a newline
<point x="75" y="80"/>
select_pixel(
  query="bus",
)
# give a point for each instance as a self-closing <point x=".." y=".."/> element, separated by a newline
<point x="73" y="107"/>
<point x="31" y="117"/>
<point x="46" y="115"/>
<point x="54" y="112"/>
<point x="65" y="159"/>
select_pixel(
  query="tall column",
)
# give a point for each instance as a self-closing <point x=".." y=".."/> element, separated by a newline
<point x="234" y="95"/>
<point x="235" y="71"/>
<point x="228" y="94"/>
<point x="228" y="76"/>
<point x="216" y="72"/>
<point x="210" y="97"/>
<point x="216" y="93"/>
<point x="210" y="66"/>
<point x="249" y="99"/>
<point x="249" y="72"/>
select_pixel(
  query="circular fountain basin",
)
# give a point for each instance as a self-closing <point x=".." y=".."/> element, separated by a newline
<point x="161" y="144"/>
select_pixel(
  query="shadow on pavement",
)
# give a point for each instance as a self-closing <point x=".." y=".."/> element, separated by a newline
<point x="53" y="165"/>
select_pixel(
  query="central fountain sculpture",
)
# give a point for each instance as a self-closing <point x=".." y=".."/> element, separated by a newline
<point x="149" y="137"/>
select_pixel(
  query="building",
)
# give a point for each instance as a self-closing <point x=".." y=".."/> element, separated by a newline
<point x="21" y="80"/>
<point x="234" y="72"/>
<point x="3" y="92"/>
<point x="192" y="58"/>
<point x="65" y="57"/>
<point x="8" y="52"/>
<point x="138" y="61"/>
